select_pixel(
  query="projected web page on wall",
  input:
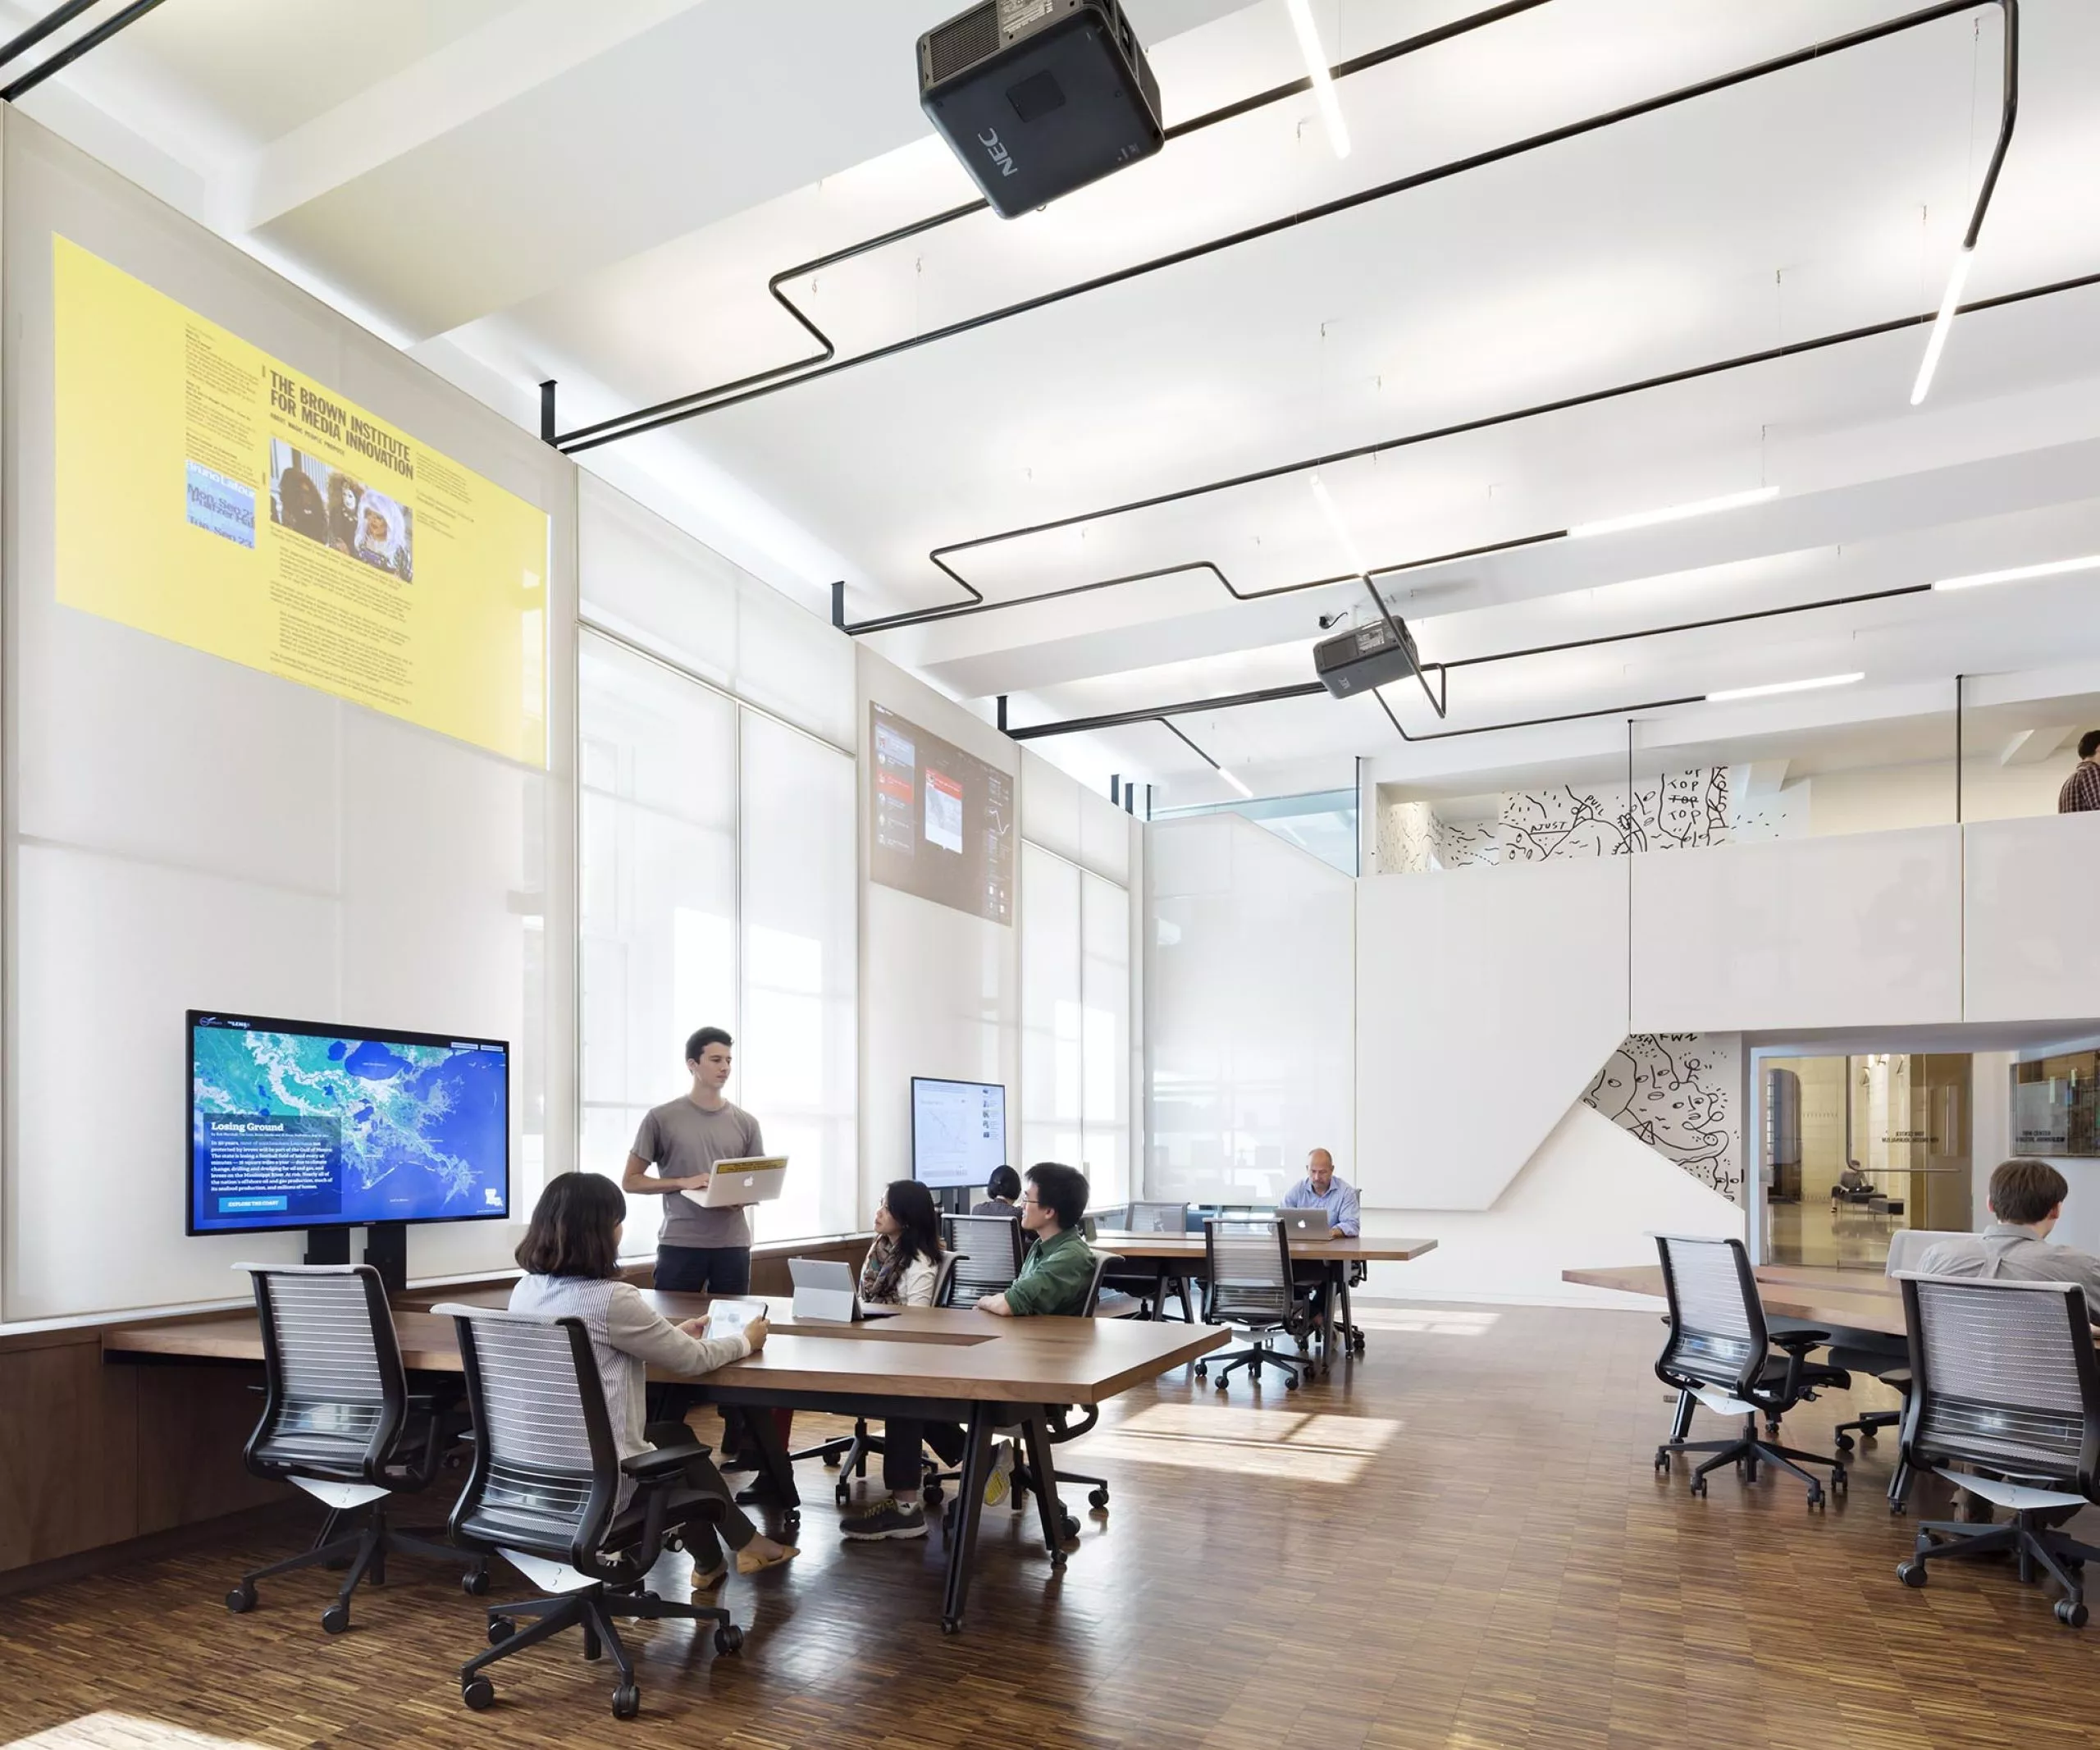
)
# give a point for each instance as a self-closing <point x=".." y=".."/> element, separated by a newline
<point x="943" y="820"/>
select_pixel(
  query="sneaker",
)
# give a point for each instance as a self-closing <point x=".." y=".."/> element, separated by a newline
<point x="1000" y="1483"/>
<point x="890" y="1517"/>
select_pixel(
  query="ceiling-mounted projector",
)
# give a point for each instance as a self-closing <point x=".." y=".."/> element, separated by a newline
<point x="1372" y="655"/>
<point x="1039" y="96"/>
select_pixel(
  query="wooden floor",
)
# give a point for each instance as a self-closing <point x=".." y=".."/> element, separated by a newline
<point x="1460" y="1544"/>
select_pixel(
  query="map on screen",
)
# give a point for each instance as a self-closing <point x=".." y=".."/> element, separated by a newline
<point x="296" y="1126"/>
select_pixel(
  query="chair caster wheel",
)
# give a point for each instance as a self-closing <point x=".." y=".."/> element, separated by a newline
<point x="241" y="1600"/>
<point x="1844" y="1442"/>
<point x="475" y="1582"/>
<point x="728" y="1638"/>
<point x="843" y="1494"/>
<point x="335" y="1618"/>
<point x="949" y="1625"/>
<point x="1290" y="1382"/>
<point x="500" y="1629"/>
<point x="1840" y="1480"/>
<point x="1699" y="1485"/>
<point x="1202" y="1371"/>
<point x="2070" y="1615"/>
<point x="1097" y="1498"/>
<point x="1662" y="1460"/>
<point x="1071" y="1526"/>
<point x="626" y="1702"/>
<point x="934" y="1495"/>
<point x="1816" y="1497"/>
<point x="478" y="1693"/>
<point x="831" y="1460"/>
<point x="674" y="1543"/>
<point x="1911" y="1573"/>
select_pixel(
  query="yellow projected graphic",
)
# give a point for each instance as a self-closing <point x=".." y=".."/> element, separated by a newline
<point x="210" y="495"/>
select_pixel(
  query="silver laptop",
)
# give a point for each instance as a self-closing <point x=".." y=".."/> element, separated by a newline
<point x="733" y="1184"/>
<point x="825" y="1288"/>
<point x="1306" y="1224"/>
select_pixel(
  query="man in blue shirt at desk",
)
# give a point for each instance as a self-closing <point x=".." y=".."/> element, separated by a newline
<point x="1321" y="1189"/>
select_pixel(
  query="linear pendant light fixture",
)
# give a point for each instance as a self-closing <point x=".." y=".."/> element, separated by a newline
<point x="1674" y="513"/>
<point x="1773" y="687"/>
<point x="1936" y="342"/>
<point x="2055" y="568"/>
<point x="1316" y="69"/>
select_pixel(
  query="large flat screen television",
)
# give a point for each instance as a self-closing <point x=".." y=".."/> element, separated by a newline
<point x="296" y="1124"/>
<point x="958" y="1131"/>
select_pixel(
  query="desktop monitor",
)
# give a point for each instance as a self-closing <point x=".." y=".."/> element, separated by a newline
<point x="958" y="1131"/>
<point x="297" y="1124"/>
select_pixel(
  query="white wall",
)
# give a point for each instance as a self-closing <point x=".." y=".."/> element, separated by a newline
<point x="1248" y="1011"/>
<point x="1487" y="1000"/>
<point x="940" y="988"/>
<point x="2031" y="885"/>
<point x="1855" y="931"/>
<point x="183" y="831"/>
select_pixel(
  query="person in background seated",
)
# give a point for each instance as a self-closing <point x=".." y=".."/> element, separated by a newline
<point x="2026" y="1199"/>
<point x="904" y="1263"/>
<point x="1053" y="1279"/>
<point x="570" y="1256"/>
<point x="1322" y="1188"/>
<point x="2081" y="791"/>
<point x="1001" y="1194"/>
<point x="1851" y="1182"/>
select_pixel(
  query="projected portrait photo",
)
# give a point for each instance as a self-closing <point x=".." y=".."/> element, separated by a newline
<point x="313" y="497"/>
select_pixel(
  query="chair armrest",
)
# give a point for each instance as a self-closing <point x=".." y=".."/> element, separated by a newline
<point x="1799" y="1342"/>
<point x="664" y="1462"/>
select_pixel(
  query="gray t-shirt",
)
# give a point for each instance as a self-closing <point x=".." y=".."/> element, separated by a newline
<point x="678" y="1140"/>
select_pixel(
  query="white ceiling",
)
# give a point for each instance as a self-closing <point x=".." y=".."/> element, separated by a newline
<point x="526" y="189"/>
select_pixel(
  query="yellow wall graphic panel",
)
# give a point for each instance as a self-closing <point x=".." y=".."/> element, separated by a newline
<point x="209" y="494"/>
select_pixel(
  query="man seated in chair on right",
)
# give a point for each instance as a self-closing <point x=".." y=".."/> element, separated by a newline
<point x="2026" y="1198"/>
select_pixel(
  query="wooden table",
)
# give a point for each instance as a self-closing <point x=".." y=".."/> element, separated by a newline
<point x="931" y="1365"/>
<point x="1818" y="1295"/>
<point x="1165" y="1251"/>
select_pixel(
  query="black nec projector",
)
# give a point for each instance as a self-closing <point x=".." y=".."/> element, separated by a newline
<point x="1365" y="657"/>
<point x="1039" y="96"/>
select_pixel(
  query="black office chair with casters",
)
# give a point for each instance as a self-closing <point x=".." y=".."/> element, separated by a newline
<point x="1060" y="1428"/>
<point x="550" y="1493"/>
<point x="1248" y="1283"/>
<point x="2004" y="1383"/>
<point x="1721" y="1351"/>
<point x="987" y="1250"/>
<point x="1151" y="1280"/>
<point x="848" y="1454"/>
<point x="339" y="1421"/>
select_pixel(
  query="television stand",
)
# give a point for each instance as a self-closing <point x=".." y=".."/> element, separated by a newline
<point x="386" y="1250"/>
<point x="327" y="1245"/>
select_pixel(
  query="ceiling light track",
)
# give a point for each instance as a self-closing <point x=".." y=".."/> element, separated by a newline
<point x="59" y="59"/>
<point x="825" y="364"/>
<point x="1310" y="689"/>
<point x="940" y="556"/>
<point x="825" y="360"/>
<point x="1216" y="766"/>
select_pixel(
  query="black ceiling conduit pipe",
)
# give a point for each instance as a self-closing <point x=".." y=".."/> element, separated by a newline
<point x="62" y="58"/>
<point x="820" y="363"/>
<point x="1308" y="689"/>
<point x="2008" y="113"/>
<point x="683" y="407"/>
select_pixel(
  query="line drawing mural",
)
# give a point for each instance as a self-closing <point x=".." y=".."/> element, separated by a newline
<point x="1678" y="1093"/>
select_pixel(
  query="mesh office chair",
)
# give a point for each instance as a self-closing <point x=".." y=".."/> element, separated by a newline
<point x="988" y="1253"/>
<point x="1720" y="1351"/>
<point x="2003" y="1380"/>
<point x="848" y="1454"/>
<point x="1888" y="1359"/>
<point x="545" y="1493"/>
<point x="1148" y="1281"/>
<point x="339" y="1422"/>
<point x="1249" y="1283"/>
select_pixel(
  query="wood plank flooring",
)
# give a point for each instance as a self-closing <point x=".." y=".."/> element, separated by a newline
<point x="1459" y="1542"/>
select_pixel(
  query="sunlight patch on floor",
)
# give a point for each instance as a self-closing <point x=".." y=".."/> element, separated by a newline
<point x="114" y="1731"/>
<point x="1304" y="1445"/>
<point x="1431" y="1321"/>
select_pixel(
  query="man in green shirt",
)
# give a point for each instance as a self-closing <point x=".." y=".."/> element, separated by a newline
<point x="1054" y="1276"/>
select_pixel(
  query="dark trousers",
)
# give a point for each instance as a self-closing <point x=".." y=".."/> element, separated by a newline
<point x="703" y="1269"/>
<point x="700" y="1473"/>
<point x="903" y="1466"/>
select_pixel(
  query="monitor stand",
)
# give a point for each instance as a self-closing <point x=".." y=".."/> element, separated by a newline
<point x="952" y="1200"/>
<point x="327" y="1245"/>
<point x="386" y="1250"/>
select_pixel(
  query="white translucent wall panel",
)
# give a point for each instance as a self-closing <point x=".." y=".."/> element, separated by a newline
<point x="797" y="1056"/>
<point x="186" y="832"/>
<point x="654" y="584"/>
<point x="657" y="764"/>
<point x="1051" y="1066"/>
<point x="1250" y="1002"/>
<point x="1105" y="1034"/>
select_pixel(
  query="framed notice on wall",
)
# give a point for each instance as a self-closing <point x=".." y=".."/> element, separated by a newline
<point x="210" y="493"/>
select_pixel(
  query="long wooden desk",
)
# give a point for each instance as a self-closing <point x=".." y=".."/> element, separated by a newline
<point x="1845" y="1300"/>
<point x="938" y="1365"/>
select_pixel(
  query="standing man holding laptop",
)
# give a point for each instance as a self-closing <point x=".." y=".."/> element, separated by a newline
<point x="698" y="1250"/>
